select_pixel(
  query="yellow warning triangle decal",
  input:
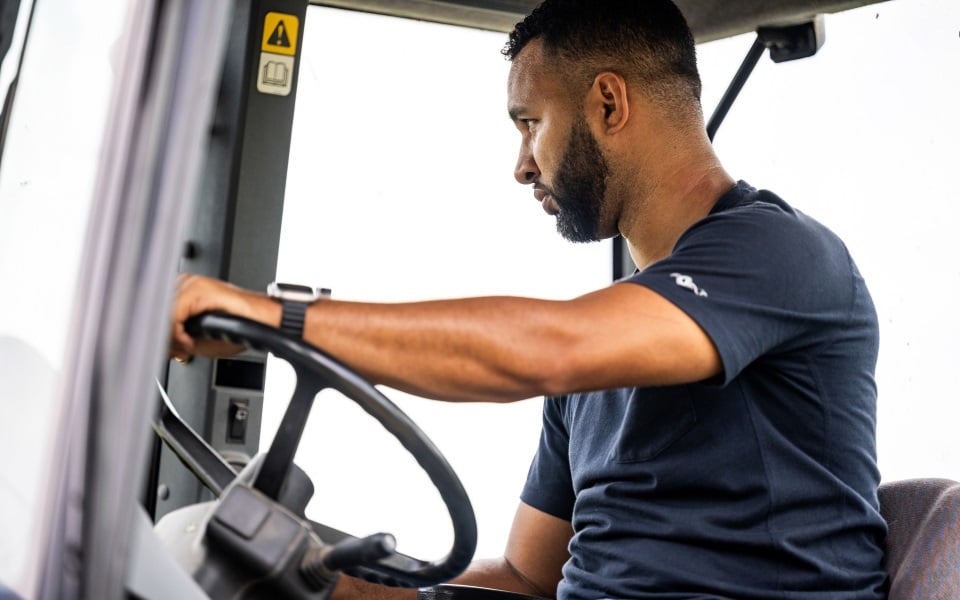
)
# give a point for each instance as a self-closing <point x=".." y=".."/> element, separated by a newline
<point x="280" y="33"/>
<point x="279" y="36"/>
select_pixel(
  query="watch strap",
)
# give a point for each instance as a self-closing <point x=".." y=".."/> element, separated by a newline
<point x="293" y="318"/>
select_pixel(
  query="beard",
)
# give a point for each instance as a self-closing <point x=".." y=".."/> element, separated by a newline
<point x="581" y="186"/>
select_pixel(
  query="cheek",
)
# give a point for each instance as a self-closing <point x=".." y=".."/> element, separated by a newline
<point x="545" y="150"/>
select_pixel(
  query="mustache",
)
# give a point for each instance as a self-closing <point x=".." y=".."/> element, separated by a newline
<point x="540" y="186"/>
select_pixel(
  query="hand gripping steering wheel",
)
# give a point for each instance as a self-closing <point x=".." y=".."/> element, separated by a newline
<point x="316" y="371"/>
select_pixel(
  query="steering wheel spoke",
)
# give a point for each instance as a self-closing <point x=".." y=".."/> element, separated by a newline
<point x="282" y="451"/>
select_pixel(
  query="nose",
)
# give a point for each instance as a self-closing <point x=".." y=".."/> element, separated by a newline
<point x="526" y="170"/>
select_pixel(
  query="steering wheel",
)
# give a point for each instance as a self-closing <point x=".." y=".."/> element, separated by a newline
<point x="370" y="559"/>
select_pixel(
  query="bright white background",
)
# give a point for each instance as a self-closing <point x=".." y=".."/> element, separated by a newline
<point x="400" y="188"/>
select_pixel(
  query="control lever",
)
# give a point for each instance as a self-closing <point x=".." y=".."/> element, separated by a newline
<point x="360" y="552"/>
<point x="318" y="563"/>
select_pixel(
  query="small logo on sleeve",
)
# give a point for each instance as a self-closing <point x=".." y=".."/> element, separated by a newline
<point x="685" y="281"/>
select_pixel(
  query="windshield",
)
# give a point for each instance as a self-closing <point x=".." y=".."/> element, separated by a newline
<point x="412" y="197"/>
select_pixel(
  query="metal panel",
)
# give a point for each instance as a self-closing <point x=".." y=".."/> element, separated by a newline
<point x="235" y="234"/>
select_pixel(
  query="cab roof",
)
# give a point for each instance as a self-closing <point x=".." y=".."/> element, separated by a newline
<point x="709" y="19"/>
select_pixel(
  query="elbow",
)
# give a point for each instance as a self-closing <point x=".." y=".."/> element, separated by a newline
<point x="555" y="372"/>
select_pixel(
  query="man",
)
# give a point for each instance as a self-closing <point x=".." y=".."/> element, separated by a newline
<point x="708" y="430"/>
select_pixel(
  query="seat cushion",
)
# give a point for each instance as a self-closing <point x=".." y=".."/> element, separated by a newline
<point x="923" y="543"/>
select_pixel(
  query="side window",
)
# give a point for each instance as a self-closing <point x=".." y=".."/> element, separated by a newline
<point x="400" y="187"/>
<point x="14" y="17"/>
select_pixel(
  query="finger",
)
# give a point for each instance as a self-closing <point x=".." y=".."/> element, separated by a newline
<point x="180" y="340"/>
<point x="217" y="348"/>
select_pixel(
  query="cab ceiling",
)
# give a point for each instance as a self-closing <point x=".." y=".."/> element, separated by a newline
<point x="709" y="19"/>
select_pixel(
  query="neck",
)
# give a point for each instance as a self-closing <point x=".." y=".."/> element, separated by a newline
<point x="668" y="205"/>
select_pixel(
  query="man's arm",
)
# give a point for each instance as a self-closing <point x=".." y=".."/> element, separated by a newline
<point x="485" y="349"/>
<point x="532" y="562"/>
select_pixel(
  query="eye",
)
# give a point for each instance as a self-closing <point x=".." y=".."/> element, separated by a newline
<point x="524" y="124"/>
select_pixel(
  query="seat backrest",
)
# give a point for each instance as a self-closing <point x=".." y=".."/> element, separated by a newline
<point x="923" y="543"/>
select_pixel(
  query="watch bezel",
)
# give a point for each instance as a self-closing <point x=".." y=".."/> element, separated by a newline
<point x="293" y="292"/>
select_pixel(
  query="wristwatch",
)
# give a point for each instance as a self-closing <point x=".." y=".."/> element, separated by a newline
<point x="295" y="299"/>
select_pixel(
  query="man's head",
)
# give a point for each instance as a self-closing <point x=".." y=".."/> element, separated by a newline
<point x="568" y="52"/>
<point x="646" y="41"/>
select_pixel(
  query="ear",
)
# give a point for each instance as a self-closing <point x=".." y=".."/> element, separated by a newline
<point x="608" y="100"/>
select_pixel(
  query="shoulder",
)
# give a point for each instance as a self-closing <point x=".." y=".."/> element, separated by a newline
<point x="758" y="228"/>
<point x="755" y="247"/>
<point x="757" y="214"/>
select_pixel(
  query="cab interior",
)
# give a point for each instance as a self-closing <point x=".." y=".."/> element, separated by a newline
<point x="168" y="496"/>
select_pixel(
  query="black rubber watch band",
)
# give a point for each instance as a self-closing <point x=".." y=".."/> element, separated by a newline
<point x="294" y="299"/>
<point x="293" y="318"/>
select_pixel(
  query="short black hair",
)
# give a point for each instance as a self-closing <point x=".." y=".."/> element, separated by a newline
<point x="646" y="41"/>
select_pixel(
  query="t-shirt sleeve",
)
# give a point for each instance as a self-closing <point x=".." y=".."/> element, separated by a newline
<point x="549" y="487"/>
<point x="755" y="280"/>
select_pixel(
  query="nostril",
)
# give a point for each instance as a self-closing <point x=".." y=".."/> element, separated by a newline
<point x="526" y="170"/>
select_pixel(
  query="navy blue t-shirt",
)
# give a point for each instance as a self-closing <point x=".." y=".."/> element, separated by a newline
<point x="758" y="484"/>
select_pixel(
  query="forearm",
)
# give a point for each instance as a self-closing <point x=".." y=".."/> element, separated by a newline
<point x="490" y="573"/>
<point x="486" y="349"/>
<point x="349" y="588"/>
<point x="499" y="574"/>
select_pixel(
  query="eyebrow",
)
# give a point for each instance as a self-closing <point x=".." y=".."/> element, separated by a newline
<point x="515" y="112"/>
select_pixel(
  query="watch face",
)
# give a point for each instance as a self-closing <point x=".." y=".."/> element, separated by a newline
<point x="292" y="291"/>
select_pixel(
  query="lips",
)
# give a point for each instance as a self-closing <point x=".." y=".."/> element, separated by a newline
<point x="547" y="202"/>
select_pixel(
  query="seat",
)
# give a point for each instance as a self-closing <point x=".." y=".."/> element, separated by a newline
<point x="923" y="543"/>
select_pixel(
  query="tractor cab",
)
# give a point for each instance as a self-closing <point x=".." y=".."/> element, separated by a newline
<point x="361" y="149"/>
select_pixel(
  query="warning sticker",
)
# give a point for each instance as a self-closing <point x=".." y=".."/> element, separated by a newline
<point x="280" y="33"/>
